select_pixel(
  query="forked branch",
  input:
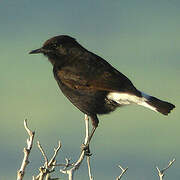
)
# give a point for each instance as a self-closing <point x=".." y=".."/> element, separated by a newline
<point x="123" y="171"/>
<point x="70" y="172"/>
<point x="48" y="166"/>
<point x="161" y="173"/>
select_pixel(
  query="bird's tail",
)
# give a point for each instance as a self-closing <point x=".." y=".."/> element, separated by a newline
<point x="142" y="99"/>
<point x="156" y="104"/>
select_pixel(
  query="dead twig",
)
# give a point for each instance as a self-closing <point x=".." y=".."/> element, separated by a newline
<point x="70" y="172"/>
<point x="89" y="168"/>
<point x="48" y="166"/>
<point x="27" y="150"/>
<point x="161" y="173"/>
<point x="43" y="153"/>
<point x="56" y="150"/>
<point x="122" y="172"/>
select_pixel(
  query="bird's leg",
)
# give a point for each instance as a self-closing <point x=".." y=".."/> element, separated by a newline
<point x="95" y="122"/>
<point x="91" y="135"/>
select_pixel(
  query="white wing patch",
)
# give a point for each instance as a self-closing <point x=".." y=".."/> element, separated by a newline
<point x="125" y="99"/>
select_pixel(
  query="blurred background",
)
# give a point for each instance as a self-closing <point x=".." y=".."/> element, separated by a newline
<point x="140" y="38"/>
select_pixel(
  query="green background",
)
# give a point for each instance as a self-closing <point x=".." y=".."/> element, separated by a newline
<point x="141" y="38"/>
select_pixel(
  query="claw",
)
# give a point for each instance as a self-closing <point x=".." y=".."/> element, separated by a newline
<point x="86" y="149"/>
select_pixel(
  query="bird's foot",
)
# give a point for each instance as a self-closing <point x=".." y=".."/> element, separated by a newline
<point x="85" y="148"/>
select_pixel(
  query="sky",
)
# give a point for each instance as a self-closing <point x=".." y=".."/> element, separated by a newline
<point x="138" y="37"/>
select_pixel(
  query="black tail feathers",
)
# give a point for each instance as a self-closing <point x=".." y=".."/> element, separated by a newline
<point x="161" y="106"/>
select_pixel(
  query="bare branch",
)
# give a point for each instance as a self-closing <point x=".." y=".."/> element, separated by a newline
<point x="55" y="154"/>
<point x="48" y="166"/>
<point x="43" y="153"/>
<point x="86" y="118"/>
<point x="70" y="172"/>
<point x="85" y="141"/>
<point x="27" y="150"/>
<point x="161" y="173"/>
<point x="122" y="173"/>
<point x="89" y="168"/>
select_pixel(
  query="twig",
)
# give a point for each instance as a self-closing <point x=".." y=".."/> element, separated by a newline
<point x="161" y="173"/>
<point x="122" y="173"/>
<point x="86" y="128"/>
<point x="70" y="172"/>
<point x="43" y="153"/>
<point x="48" y="166"/>
<point x="89" y="168"/>
<point x="55" y="154"/>
<point x="27" y="150"/>
<point x="86" y="139"/>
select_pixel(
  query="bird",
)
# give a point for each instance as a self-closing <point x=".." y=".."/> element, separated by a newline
<point x="92" y="84"/>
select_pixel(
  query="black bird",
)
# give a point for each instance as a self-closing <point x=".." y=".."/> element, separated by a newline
<point x="91" y="83"/>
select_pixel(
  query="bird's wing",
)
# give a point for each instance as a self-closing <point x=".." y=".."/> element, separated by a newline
<point x="93" y="74"/>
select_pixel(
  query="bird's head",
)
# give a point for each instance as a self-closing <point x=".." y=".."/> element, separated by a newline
<point x="56" y="47"/>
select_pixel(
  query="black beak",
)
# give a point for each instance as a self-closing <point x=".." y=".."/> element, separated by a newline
<point x="36" y="51"/>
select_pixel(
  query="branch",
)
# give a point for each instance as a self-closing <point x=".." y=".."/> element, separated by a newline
<point x="89" y="168"/>
<point x="27" y="150"/>
<point x="70" y="172"/>
<point x="161" y="173"/>
<point x="85" y="141"/>
<point x="48" y="167"/>
<point x="43" y="153"/>
<point x="55" y="154"/>
<point x="122" y="173"/>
